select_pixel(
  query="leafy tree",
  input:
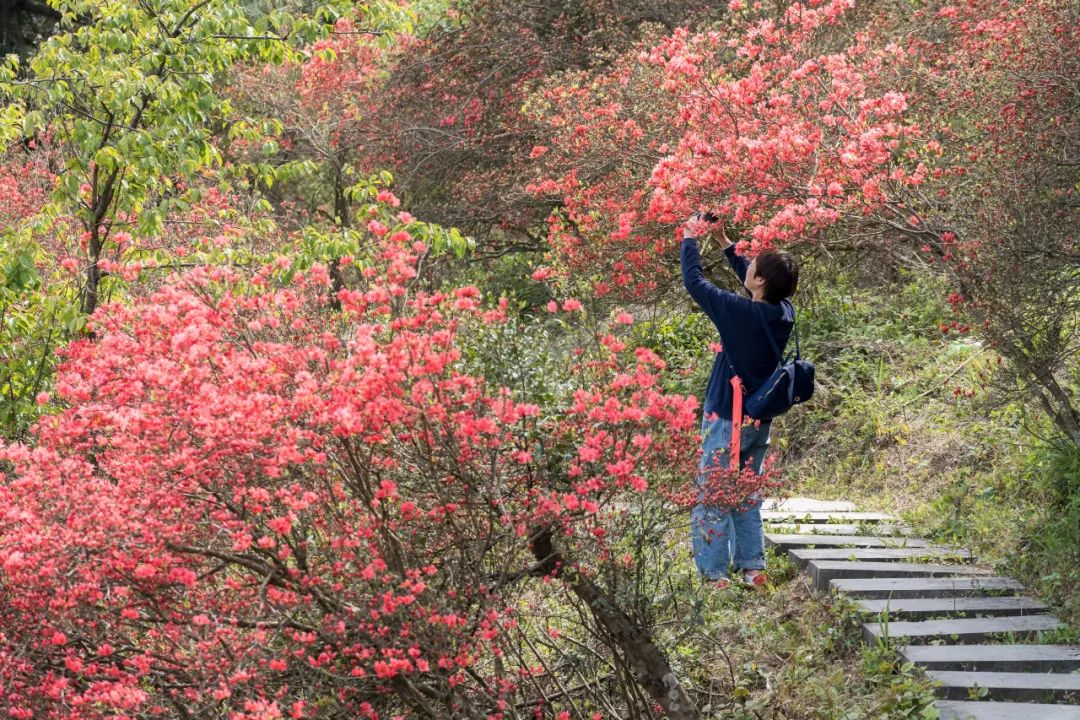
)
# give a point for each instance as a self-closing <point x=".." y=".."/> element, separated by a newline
<point x="128" y="92"/>
<point x="122" y="105"/>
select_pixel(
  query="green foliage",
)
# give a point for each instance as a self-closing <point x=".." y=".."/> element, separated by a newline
<point x="905" y="692"/>
<point x="682" y="339"/>
<point x="527" y="359"/>
<point x="509" y="276"/>
<point x="34" y="322"/>
<point x="130" y="91"/>
<point x="886" y="378"/>
<point x="328" y="245"/>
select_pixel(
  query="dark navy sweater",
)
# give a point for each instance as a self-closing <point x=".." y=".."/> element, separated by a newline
<point x="741" y="332"/>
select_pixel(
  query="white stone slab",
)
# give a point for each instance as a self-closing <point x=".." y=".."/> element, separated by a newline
<point x="802" y="505"/>
<point x="922" y="608"/>
<point x="1000" y="658"/>
<point x="822" y="571"/>
<point x="838" y="528"/>
<point x="825" y="517"/>
<point x="1040" y="687"/>
<point x="782" y="541"/>
<point x="962" y="629"/>
<point x="802" y="556"/>
<point x="915" y="587"/>
<point x="957" y="710"/>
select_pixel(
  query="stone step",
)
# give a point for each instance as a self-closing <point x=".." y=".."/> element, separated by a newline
<point x="825" y="517"/>
<point x="822" y="571"/>
<point x="958" y="710"/>
<point x="802" y="556"/>
<point x="784" y="542"/>
<point x="1030" y="687"/>
<point x="838" y="529"/>
<point x="925" y="587"/>
<point x="961" y="630"/>
<point x="803" y="505"/>
<point x="922" y="608"/>
<point x="998" y="658"/>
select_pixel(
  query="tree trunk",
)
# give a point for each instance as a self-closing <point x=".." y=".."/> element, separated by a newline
<point x="651" y="667"/>
<point x="89" y="300"/>
<point x="1060" y="407"/>
<point x="341" y="216"/>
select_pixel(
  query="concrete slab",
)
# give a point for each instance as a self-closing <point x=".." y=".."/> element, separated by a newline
<point x="802" y="556"/>
<point x="997" y="658"/>
<point x="957" y="710"/>
<point x="925" y="587"/>
<point x="923" y="608"/>
<point x="825" y="517"/>
<point x="838" y="528"/>
<point x="1031" y="687"/>
<point x="822" y="571"/>
<point x="782" y="541"/>
<point x="963" y="630"/>
<point x="802" y="505"/>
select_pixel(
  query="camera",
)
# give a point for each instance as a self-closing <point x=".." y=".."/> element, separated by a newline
<point x="710" y="217"/>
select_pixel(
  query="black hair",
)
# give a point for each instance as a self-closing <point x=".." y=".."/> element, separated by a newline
<point x="780" y="271"/>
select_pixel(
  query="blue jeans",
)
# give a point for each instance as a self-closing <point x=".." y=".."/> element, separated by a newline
<point x="713" y="529"/>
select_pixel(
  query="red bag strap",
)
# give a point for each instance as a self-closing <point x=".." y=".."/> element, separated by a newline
<point x="736" y="422"/>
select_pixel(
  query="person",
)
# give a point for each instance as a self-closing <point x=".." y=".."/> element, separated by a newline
<point x="723" y="535"/>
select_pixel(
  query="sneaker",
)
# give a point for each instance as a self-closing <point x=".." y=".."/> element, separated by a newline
<point x="754" y="578"/>
<point x="721" y="584"/>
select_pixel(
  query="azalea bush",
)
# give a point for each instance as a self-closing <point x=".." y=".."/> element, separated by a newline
<point x="252" y="501"/>
<point x="775" y="124"/>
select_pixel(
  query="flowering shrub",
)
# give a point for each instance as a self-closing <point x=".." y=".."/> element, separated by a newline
<point x="776" y="133"/>
<point x="444" y="107"/>
<point x="252" y="502"/>
<point x="23" y="191"/>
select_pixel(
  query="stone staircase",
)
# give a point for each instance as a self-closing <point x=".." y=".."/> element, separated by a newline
<point x="941" y="611"/>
